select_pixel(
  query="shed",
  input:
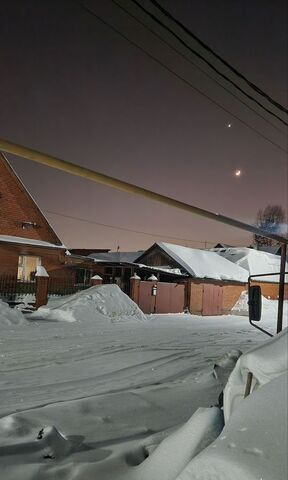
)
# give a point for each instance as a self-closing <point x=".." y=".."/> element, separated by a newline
<point x="213" y="285"/>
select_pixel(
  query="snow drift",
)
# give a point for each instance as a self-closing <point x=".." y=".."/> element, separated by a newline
<point x="253" y="444"/>
<point x="265" y="362"/>
<point x="96" y="303"/>
<point x="10" y="316"/>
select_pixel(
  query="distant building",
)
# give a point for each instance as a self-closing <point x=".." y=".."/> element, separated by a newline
<point x="212" y="287"/>
<point x="257" y="262"/>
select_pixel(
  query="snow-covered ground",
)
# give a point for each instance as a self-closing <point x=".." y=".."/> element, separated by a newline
<point x="91" y="397"/>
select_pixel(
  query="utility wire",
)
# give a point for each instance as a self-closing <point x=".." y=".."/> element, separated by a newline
<point x="197" y="54"/>
<point x="184" y="80"/>
<point x="92" y="222"/>
<point x="189" y="59"/>
<point x="228" y="65"/>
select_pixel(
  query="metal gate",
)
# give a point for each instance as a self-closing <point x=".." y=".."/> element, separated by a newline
<point x="212" y="302"/>
<point x="169" y="298"/>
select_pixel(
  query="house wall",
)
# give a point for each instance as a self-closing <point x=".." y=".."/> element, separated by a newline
<point x="157" y="258"/>
<point x="52" y="259"/>
<point x="16" y="206"/>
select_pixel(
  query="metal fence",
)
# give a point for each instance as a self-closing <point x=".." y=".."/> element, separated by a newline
<point x="14" y="290"/>
<point x="64" y="286"/>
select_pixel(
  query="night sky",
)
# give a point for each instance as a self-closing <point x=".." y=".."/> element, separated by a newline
<point x="71" y="87"/>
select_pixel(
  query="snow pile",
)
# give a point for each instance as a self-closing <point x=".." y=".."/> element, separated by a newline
<point x="176" y="451"/>
<point x="10" y="316"/>
<point x="265" y="362"/>
<point x="255" y="262"/>
<point x="204" y="264"/>
<point x="96" y="303"/>
<point x="253" y="444"/>
<point x="22" y="435"/>
<point x="241" y="306"/>
<point x="269" y="307"/>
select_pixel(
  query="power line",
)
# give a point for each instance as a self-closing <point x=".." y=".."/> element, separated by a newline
<point x="92" y="222"/>
<point x="188" y="59"/>
<point x="197" y="54"/>
<point x="184" y="80"/>
<point x="228" y="65"/>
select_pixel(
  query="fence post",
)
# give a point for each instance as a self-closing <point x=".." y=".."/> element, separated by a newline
<point x="96" y="280"/>
<point x="135" y="288"/>
<point x="153" y="279"/>
<point x="42" y="279"/>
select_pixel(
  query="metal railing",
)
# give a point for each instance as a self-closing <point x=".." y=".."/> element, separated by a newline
<point x="64" y="286"/>
<point x="12" y="289"/>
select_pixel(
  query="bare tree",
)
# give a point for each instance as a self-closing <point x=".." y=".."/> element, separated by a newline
<point x="269" y="219"/>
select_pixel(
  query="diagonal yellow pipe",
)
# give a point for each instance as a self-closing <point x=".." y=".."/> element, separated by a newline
<point x="73" y="169"/>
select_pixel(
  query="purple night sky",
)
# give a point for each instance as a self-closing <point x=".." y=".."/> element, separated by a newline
<point x="73" y="88"/>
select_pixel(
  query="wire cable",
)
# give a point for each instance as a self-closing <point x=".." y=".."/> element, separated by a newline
<point x="92" y="222"/>
<point x="175" y="74"/>
<point x="194" y="64"/>
<point x="228" y="65"/>
<point x="197" y="54"/>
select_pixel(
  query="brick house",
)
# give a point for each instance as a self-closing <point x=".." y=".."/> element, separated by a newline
<point x="27" y="240"/>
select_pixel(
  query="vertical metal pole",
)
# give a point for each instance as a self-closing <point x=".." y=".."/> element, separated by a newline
<point x="281" y="287"/>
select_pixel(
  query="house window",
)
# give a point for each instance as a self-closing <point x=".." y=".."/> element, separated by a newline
<point x="27" y="266"/>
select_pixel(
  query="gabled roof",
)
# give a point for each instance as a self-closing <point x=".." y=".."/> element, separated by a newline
<point x="222" y="245"/>
<point x="255" y="262"/>
<point x="202" y="263"/>
<point x="28" y="241"/>
<point x="274" y="249"/>
<point x="18" y="208"/>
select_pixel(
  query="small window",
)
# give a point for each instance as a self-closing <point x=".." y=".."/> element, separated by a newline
<point x="27" y="266"/>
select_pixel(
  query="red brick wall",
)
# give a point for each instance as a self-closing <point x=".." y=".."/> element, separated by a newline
<point x="16" y="206"/>
<point x="52" y="259"/>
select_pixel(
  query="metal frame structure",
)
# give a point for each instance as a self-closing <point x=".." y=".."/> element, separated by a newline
<point x="279" y="326"/>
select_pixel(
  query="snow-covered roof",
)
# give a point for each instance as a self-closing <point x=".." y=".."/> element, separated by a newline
<point x="115" y="257"/>
<point x="173" y="271"/>
<point x="204" y="264"/>
<point x="28" y="241"/>
<point x="254" y="261"/>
